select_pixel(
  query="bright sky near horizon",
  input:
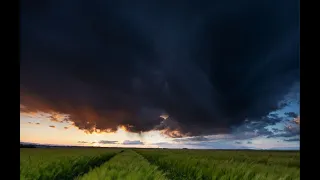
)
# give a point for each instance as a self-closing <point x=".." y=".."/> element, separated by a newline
<point x="35" y="128"/>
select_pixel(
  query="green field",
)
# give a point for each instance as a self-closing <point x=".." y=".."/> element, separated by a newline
<point x="160" y="164"/>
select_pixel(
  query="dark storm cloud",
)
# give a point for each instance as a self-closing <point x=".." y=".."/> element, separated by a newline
<point x="108" y="142"/>
<point x="128" y="142"/>
<point x="209" y="65"/>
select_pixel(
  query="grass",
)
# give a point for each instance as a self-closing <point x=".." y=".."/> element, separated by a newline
<point x="157" y="164"/>
<point x="126" y="165"/>
<point x="38" y="164"/>
<point x="209" y="164"/>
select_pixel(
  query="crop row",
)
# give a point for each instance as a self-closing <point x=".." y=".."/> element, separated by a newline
<point x="288" y="159"/>
<point x="38" y="164"/>
<point x="209" y="165"/>
<point x="126" y="165"/>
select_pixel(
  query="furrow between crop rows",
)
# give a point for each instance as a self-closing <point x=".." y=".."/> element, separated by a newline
<point x="125" y="165"/>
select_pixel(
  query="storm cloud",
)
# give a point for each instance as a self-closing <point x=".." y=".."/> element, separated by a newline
<point x="208" y="65"/>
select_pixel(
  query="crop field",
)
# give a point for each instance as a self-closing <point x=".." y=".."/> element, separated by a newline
<point x="210" y="164"/>
<point x="61" y="163"/>
<point x="158" y="164"/>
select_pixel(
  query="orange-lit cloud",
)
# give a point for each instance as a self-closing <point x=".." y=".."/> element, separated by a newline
<point x="30" y="114"/>
<point x="173" y="133"/>
<point x="52" y="126"/>
<point x="297" y="120"/>
<point x="90" y="119"/>
<point x="164" y="116"/>
<point x="57" y="117"/>
<point x="124" y="128"/>
<point x="84" y="118"/>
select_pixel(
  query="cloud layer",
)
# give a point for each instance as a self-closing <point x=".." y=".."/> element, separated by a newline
<point x="108" y="142"/>
<point x="128" y="142"/>
<point x="209" y="68"/>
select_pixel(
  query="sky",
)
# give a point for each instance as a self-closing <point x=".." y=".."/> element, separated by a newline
<point x="189" y="74"/>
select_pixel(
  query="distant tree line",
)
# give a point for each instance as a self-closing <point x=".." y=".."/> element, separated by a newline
<point x="27" y="146"/>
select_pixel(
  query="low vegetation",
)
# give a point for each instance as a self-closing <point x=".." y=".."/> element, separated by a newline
<point x="125" y="166"/>
<point x="60" y="163"/>
<point x="210" y="164"/>
<point x="157" y="164"/>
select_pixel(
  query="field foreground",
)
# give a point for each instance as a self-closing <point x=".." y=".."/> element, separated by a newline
<point x="158" y="164"/>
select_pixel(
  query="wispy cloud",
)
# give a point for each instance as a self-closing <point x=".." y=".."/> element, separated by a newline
<point x="194" y="138"/>
<point x="292" y="139"/>
<point x="108" y="142"/>
<point x="291" y="129"/>
<point x="128" y="142"/>
<point x="291" y="114"/>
